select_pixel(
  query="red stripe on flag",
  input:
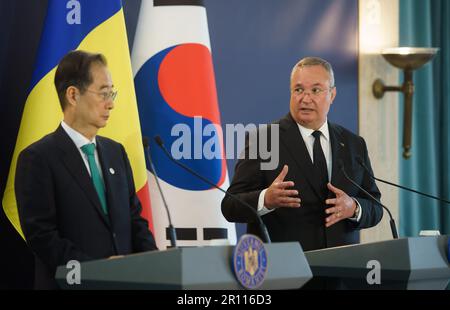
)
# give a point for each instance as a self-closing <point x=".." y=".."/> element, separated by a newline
<point x="144" y="198"/>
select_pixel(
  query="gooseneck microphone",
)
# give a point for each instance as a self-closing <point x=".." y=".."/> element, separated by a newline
<point x="262" y="226"/>
<point x="360" y="162"/>
<point x="172" y="233"/>
<point x="391" y="222"/>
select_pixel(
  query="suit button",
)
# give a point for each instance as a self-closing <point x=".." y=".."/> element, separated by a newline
<point x="114" y="235"/>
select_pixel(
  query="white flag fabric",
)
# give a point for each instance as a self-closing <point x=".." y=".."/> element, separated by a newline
<point x="177" y="100"/>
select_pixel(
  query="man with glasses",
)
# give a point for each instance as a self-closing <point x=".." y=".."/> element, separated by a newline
<point x="307" y="198"/>
<point x="75" y="190"/>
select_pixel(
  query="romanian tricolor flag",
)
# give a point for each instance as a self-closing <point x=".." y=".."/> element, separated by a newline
<point x="95" y="26"/>
<point x="176" y="91"/>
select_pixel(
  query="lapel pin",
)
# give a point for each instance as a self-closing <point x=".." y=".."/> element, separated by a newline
<point x="111" y="170"/>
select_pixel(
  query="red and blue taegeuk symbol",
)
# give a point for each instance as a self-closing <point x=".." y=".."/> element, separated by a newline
<point x="173" y="87"/>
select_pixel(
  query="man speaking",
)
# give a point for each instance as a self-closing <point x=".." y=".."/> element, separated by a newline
<point x="75" y="190"/>
<point x="307" y="197"/>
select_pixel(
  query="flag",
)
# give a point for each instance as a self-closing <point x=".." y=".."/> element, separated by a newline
<point x="95" y="26"/>
<point x="177" y="100"/>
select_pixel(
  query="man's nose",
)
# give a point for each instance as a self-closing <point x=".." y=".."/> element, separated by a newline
<point x="306" y="97"/>
<point x="110" y="104"/>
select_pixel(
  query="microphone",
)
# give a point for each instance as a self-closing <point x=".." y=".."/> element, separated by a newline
<point x="360" y="162"/>
<point x="391" y="222"/>
<point x="172" y="234"/>
<point x="262" y="226"/>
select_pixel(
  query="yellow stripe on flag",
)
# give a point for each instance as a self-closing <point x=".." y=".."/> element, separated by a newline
<point x="42" y="111"/>
<point x="123" y="125"/>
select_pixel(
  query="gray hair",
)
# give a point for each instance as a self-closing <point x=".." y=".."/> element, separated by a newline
<point x="315" y="61"/>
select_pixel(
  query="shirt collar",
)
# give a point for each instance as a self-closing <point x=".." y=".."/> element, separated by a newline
<point x="77" y="137"/>
<point x="306" y="132"/>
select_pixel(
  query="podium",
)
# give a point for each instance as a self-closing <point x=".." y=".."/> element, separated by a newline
<point x="407" y="263"/>
<point x="189" y="268"/>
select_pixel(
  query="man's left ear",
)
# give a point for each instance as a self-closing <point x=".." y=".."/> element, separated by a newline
<point x="333" y="94"/>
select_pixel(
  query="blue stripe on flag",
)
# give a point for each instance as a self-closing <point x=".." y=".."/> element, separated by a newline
<point x="60" y="37"/>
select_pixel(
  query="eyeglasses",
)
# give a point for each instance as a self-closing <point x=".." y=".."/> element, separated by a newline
<point x="106" y="95"/>
<point x="313" y="92"/>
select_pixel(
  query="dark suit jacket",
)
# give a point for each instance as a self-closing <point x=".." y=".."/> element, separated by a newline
<point x="307" y="223"/>
<point x="60" y="211"/>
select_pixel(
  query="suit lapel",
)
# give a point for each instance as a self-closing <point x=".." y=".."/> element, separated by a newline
<point x="75" y="165"/>
<point x="109" y="171"/>
<point x="293" y="141"/>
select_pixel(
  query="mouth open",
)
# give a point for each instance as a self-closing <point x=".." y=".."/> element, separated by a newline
<point x="306" y="110"/>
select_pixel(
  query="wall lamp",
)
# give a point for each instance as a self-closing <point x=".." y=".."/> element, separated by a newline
<point x="408" y="59"/>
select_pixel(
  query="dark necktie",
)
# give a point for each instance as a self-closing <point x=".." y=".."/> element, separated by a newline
<point x="320" y="164"/>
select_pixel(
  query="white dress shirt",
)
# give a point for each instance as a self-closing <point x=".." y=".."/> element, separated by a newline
<point x="324" y="142"/>
<point x="308" y="138"/>
<point x="79" y="140"/>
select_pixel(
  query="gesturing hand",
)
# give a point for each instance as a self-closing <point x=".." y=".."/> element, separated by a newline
<point x="343" y="206"/>
<point x="278" y="194"/>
